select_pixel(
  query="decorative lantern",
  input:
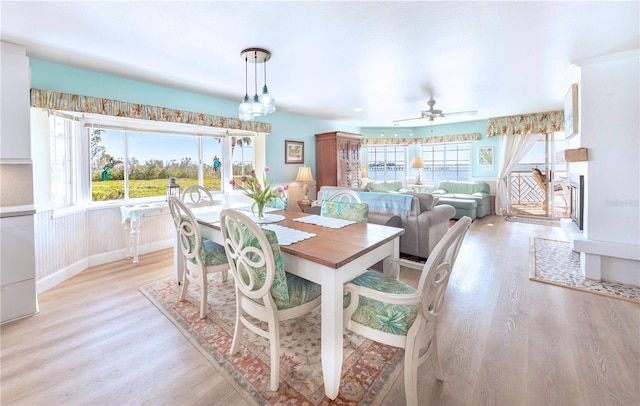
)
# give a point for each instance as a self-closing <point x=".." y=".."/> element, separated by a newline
<point x="173" y="189"/>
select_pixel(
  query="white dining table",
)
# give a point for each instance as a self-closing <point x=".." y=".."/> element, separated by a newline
<point x="331" y="258"/>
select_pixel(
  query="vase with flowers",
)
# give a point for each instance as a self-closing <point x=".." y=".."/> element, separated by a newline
<point x="260" y="193"/>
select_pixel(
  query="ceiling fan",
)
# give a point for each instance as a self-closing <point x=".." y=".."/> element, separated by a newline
<point x="433" y="113"/>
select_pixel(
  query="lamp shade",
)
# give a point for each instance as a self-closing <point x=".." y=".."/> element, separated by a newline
<point x="364" y="173"/>
<point x="417" y="163"/>
<point x="304" y="174"/>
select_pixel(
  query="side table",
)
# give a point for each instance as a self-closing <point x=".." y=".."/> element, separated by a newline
<point x="304" y="205"/>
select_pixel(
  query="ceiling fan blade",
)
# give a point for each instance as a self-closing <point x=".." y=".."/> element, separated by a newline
<point x="409" y="119"/>
<point x="461" y="113"/>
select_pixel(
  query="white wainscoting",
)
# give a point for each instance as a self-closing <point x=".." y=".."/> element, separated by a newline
<point x="68" y="244"/>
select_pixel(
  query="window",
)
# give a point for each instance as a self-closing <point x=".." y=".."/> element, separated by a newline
<point x="450" y="161"/>
<point x="114" y="162"/>
<point x="387" y="162"/>
<point x="63" y="143"/>
<point x="242" y="155"/>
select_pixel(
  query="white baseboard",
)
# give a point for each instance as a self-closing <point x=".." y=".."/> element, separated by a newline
<point x="62" y="275"/>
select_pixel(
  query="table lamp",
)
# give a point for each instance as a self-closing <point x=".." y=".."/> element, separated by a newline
<point x="304" y="175"/>
<point x="418" y="165"/>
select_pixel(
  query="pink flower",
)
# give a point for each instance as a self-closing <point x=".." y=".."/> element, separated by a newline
<point x="258" y="186"/>
<point x="253" y="172"/>
<point x="243" y="178"/>
<point x="280" y="189"/>
<point x="266" y="169"/>
<point x="286" y="187"/>
<point x="232" y="182"/>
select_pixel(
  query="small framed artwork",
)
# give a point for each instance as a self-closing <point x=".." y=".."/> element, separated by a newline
<point x="293" y="152"/>
<point x="485" y="157"/>
<point x="571" y="112"/>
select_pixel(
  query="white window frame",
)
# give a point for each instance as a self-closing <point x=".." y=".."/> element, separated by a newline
<point x="385" y="153"/>
<point x="78" y="170"/>
<point x="427" y="152"/>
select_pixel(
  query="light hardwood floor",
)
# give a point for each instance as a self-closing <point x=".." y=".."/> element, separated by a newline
<point x="503" y="340"/>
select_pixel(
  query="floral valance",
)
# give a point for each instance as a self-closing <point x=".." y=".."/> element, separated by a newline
<point x="422" y="140"/>
<point x="538" y="123"/>
<point x="48" y="99"/>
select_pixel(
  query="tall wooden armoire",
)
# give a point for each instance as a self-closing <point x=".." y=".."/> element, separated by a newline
<point x="338" y="159"/>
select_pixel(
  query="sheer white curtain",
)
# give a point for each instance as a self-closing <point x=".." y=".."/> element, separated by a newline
<point x="514" y="148"/>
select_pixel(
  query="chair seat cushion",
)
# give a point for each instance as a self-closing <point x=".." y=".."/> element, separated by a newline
<point x="390" y="318"/>
<point x="349" y="211"/>
<point x="301" y="291"/>
<point x="212" y="254"/>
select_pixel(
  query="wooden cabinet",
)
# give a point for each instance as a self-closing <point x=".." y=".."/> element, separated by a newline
<point x="338" y="159"/>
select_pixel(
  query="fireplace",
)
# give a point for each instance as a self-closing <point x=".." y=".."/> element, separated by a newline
<point x="576" y="189"/>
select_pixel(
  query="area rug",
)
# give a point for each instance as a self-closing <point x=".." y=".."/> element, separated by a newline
<point x="554" y="262"/>
<point x="368" y="368"/>
<point x="533" y="220"/>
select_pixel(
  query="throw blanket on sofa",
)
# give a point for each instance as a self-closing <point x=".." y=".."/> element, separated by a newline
<point x="384" y="203"/>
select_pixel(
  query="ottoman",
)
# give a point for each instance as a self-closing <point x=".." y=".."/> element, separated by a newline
<point x="464" y="207"/>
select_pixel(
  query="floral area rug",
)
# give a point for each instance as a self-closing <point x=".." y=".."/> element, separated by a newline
<point x="555" y="263"/>
<point x="368" y="370"/>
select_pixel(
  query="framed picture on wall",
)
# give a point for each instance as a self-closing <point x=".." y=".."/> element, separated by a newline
<point x="293" y="152"/>
<point x="485" y="157"/>
<point x="571" y="112"/>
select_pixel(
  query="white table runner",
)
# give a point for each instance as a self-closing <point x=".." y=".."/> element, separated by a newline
<point x="286" y="235"/>
<point x="329" y="222"/>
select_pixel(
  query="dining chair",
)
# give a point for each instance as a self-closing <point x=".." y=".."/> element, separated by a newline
<point x="345" y="204"/>
<point x="280" y="202"/>
<point x="197" y="196"/>
<point x="265" y="292"/>
<point x="384" y="309"/>
<point x="201" y="257"/>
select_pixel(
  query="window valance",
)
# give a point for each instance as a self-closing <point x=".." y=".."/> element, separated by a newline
<point x="537" y="123"/>
<point x="49" y="99"/>
<point x="422" y="140"/>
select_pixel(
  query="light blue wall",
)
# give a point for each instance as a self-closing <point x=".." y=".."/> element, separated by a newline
<point x="478" y="126"/>
<point x="285" y="126"/>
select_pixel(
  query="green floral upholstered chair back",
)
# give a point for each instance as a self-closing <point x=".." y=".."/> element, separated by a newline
<point x="345" y="204"/>
<point x="349" y="211"/>
<point x="265" y="292"/>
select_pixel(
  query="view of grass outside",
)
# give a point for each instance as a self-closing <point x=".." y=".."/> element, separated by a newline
<point x="159" y="153"/>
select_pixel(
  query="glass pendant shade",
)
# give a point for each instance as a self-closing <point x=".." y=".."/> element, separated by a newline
<point x="267" y="102"/>
<point x="245" y="110"/>
<point x="256" y="107"/>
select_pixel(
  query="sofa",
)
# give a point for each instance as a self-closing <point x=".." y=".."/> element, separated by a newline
<point x="424" y="222"/>
<point x="469" y="198"/>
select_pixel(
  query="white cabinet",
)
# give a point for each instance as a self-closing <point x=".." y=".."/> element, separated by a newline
<point x="17" y="268"/>
<point x="15" y="145"/>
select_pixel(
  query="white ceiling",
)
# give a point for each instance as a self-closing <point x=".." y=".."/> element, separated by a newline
<point x="331" y="58"/>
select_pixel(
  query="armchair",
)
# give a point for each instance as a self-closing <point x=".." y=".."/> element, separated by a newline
<point x="384" y="309"/>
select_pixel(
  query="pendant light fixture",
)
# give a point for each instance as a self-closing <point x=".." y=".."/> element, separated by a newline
<point x="257" y="105"/>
